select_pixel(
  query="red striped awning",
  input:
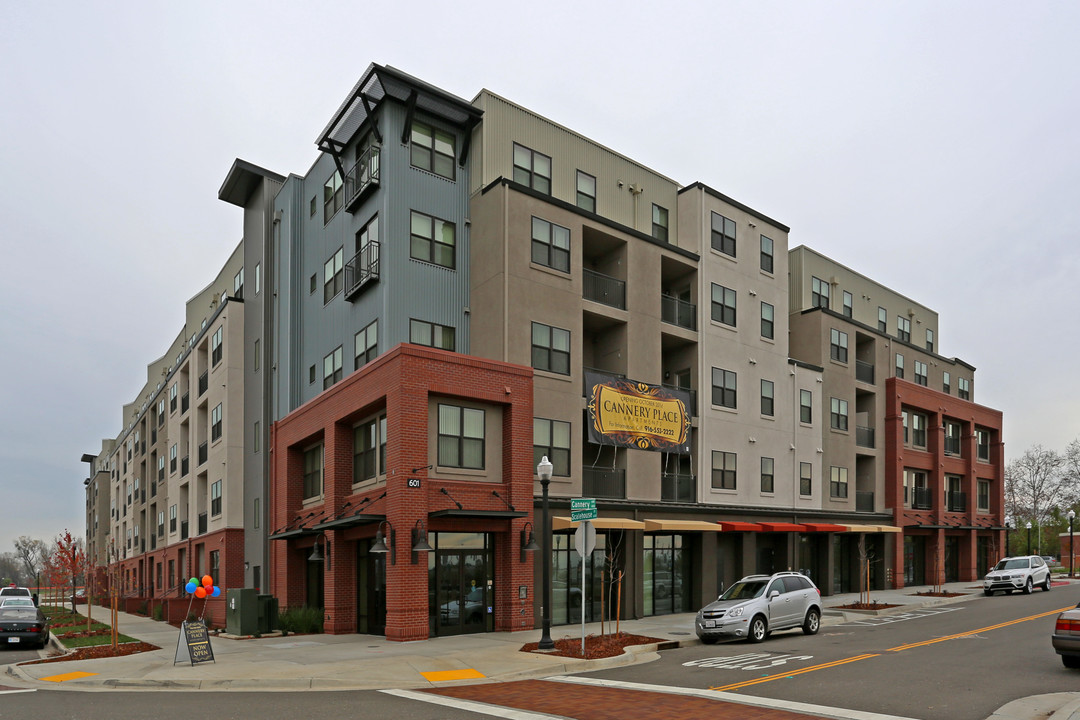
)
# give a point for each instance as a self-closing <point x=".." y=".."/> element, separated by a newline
<point x="782" y="527"/>
<point x="739" y="526"/>
<point x="824" y="527"/>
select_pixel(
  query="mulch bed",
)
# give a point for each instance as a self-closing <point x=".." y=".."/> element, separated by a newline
<point x="596" y="646"/>
<point x="101" y="651"/>
<point x="83" y="633"/>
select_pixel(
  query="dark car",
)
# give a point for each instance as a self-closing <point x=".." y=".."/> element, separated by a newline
<point x="23" y="626"/>
<point x="1066" y="637"/>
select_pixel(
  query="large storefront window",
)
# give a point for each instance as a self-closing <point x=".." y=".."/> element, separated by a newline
<point x="666" y="574"/>
<point x="566" y="578"/>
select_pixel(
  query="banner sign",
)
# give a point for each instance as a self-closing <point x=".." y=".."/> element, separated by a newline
<point x="636" y="414"/>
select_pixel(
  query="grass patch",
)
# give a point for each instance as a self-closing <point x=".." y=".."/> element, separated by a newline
<point x="95" y="640"/>
<point x="64" y="622"/>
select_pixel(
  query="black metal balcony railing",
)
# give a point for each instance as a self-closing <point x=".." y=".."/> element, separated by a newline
<point x="142" y="495"/>
<point x="603" y="483"/>
<point x="952" y="446"/>
<point x="202" y="523"/>
<point x="676" y="487"/>
<point x="604" y="289"/>
<point x="678" y="312"/>
<point x="142" y="546"/>
<point x="204" y="382"/>
<point x="864" y="371"/>
<point x="864" y="502"/>
<point x="185" y="403"/>
<point x="922" y="499"/>
<point x="693" y="396"/>
<point x="864" y="436"/>
<point x="172" y="464"/>
<point x="956" y="501"/>
<point x="153" y="489"/>
<point x="185" y="465"/>
<point x="153" y="542"/>
<point x="204" y="453"/>
<point x="362" y="268"/>
<point x="362" y="177"/>
<point x="183" y="529"/>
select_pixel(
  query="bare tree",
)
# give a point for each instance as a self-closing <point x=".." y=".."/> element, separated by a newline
<point x="32" y="553"/>
<point x="1034" y="484"/>
<point x="1070" y="475"/>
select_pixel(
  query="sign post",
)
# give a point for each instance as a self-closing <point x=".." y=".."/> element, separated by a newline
<point x="584" y="544"/>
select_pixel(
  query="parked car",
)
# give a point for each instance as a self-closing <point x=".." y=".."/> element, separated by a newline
<point x="13" y="590"/>
<point x="1024" y="573"/>
<point x="16" y="602"/>
<point x="757" y="605"/>
<point x="1066" y="637"/>
<point x="23" y="626"/>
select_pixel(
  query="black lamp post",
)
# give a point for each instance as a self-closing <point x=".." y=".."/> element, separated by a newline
<point x="544" y="470"/>
<point x="1006" y="538"/>
<point x="1029" y="536"/>
<point x="1072" y="514"/>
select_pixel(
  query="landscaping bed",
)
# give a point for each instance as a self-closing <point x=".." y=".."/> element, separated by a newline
<point x="596" y="646"/>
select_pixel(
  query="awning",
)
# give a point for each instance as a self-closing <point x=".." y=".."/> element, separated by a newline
<point x="673" y="525"/>
<point x="824" y="527"/>
<point x="890" y="529"/>
<point x="348" y="522"/>
<point x="740" y="526"/>
<point x="288" y="534"/>
<point x="874" y="529"/>
<point x="781" y="527"/>
<point x="600" y="523"/>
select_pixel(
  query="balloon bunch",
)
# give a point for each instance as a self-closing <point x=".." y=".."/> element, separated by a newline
<point x="205" y="589"/>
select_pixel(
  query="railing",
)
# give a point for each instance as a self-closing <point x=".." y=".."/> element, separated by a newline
<point x="864" y="502"/>
<point x="864" y="371"/>
<point x="185" y="465"/>
<point x="362" y="176"/>
<point x="204" y="453"/>
<point x="142" y="495"/>
<point x="183" y="529"/>
<point x="204" y="382"/>
<point x="604" y="289"/>
<point x="185" y="403"/>
<point x="955" y="501"/>
<point x="362" y="268"/>
<point x="153" y="542"/>
<point x="678" y="312"/>
<point x="693" y="395"/>
<point x="952" y="446"/>
<point x="922" y="498"/>
<point x="676" y="487"/>
<point x="202" y="523"/>
<point x="864" y="436"/>
<point x="603" y="483"/>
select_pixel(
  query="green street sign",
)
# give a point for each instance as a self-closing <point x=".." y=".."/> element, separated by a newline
<point x="582" y="509"/>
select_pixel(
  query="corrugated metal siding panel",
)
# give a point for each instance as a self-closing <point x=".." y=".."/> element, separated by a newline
<point x="795" y="280"/>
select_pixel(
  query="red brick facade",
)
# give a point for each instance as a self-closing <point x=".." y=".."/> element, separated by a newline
<point x="938" y="522"/>
<point x="402" y="384"/>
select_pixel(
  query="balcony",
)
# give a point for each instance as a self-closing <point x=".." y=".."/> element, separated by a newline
<point x="361" y="178"/>
<point x="864" y="436"/>
<point x="922" y="499"/>
<point x="362" y="268"/>
<point x="693" y="396"/>
<point x="676" y="487"/>
<point x="678" y="312"/>
<point x="864" y="502"/>
<point x="604" y="289"/>
<point x="955" y="501"/>
<point x="606" y="483"/>
<point x="185" y="465"/>
<point x="185" y="403"/>
<point x="204" y="382"/>
<point x="183" y="529"/>
<point x="153" y="542"/>
<point x="202" y="523"/>
<point x="204" y="453"/>
<point x="864" y="372"/>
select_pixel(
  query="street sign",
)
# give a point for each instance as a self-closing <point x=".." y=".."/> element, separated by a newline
<point x="585" y="539"/>
<point x="582" y="509"/>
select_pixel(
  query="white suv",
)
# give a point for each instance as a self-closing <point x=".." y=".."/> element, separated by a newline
<point x="758" y="604"/>
<point x="1025" y="573"/>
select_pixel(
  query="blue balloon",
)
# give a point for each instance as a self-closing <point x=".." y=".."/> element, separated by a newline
<point x="217" y="591"/>
<point x="190" y="587"/>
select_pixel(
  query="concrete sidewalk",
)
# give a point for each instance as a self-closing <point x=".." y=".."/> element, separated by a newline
<point x="367" y="662"/>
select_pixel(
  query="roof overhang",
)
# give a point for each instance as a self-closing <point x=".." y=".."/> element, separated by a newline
<point x="344" y="523"/>
<point x="291" y="534"/>
<point x="483" y="514"/>
<point x="681" y="525"/>
<point x="241" y="181"/>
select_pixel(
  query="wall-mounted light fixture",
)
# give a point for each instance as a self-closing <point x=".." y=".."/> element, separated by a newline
<point x="380" y="542"/>
<point x="528" y="540"/>
<point x="316" y="556"/>
<point x="419" y="541"/>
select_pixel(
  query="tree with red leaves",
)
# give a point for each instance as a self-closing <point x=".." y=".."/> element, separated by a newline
<point x="70" y="559"/>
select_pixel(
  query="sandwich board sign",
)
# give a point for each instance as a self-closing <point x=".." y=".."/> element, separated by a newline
<point x="197" y="641"/>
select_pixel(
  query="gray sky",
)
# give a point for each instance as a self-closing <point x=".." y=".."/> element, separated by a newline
<point x="931" y="146"/>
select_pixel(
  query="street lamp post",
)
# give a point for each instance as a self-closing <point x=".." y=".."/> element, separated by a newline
<point x="544" y="470"/>
<point x="1028" y="526"/>
<point x="1072" y="514"/>
<point x="1006" y="538"/>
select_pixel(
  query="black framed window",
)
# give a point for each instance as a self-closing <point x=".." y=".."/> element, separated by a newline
<point x="903" y="328"/>
<point x="551" y="438"/>
<point x="848" y="304"/>
<point x="766" y="254"/>
<point x="723" y="305"/>
<point x="332" y="367"/>
<point x="215" y="498"/>
<point x="982" y="445"/>
<point x="918" y="430"/>
<point x="921" y="373"/>
<point x="723" y="236"/>
<point x="586" y="191"/>
<point x="216" y="349"/>
<point x="946" y="380"/>
<point x="313" y="472"/>
<point x="172" y="518"/>
<point x="550" y="348"/>
<point x="724" y="388"/>
<point x="838" y="345"/>
<point x="952" y="438"/>
<point x="767" y="397"/>
<point x="215" y="423"/>
<point x="806" y="406"/>
<point x="724" y="470"/>
<point x="432" y="240"/>
<point x="366" y="345"/>
<point x="899" y="366"/>
<point x="963" y="388"/>
<point x="461" y="437"/>
<point x="929" y="339"/>
<point x="768" y="474"/>
<point x="838" y="484"/>
<point x="882" y="319"/>
<point x="432" y="149"/>
<point x="838" y="414"/>
<point x="660" y="223"/>
<point x="819" y="293"/>
<point x="333" y="193"/>
<point x="768" y="326"/>
<point x="550" y="245"/>
<point x="806" y="478"/>
<point x="983" y="494"/>
<point x="431" y="335"/>
<point x="333" y="275"/>
<point x="365" y="451"/>
<point x="532" y="169"/>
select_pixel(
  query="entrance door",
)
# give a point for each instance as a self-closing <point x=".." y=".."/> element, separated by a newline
<point x="914" y="560"/>
<point x="463" y="584"/>
<point x="370" y="590"/>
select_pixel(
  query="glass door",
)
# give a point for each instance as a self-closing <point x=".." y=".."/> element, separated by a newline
<point x="461" y="584"/>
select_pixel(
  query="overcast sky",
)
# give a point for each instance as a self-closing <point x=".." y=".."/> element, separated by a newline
<point x="932" y="146"/>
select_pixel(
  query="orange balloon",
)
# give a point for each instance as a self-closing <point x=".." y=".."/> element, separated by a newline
<point x="200" y="592"/>
<point x="207" y="581"/>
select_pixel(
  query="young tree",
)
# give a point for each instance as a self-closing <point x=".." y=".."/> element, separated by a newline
<point x="70" y="558"/>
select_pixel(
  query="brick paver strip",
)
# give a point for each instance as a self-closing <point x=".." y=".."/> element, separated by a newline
<point x="602" y="703"/>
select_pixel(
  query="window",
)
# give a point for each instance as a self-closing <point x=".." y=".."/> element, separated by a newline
<point x="215" y="563"/>
<point x="659" y="223"/>
<point x="963" y="388"/>
<point x="982" y="445"/>
<point x="258" y="278"/>
<point x="432" y="240"/>
<point x="215" y="498"/>
<point x="550" y="349"/>
<point x="899" y="366"/>
<point x="550" y="245"/>
<point x="904" y="419"/>
<point x="929" y="339"/>
<point x="161" y="412"/>
<point x="215" y="423"/>
<point x="552" y="438"/>
<point x="586" y="192"/>
<point x="161" y="468"/>
<point x="724" y="388"/>
<point x="532" y="169"/>
<point x="766" y="254"/>
<point x="882" y="320"/>
<point x="172" y="458"/>
<point x="819" y="293"/>
<point x="723" y="470"/>
<point x="723" y="305"/>
<point x="256" y="356"/>
<point x="256" y="438"/>
<point x="838" y="482"/>
<point x="431" y="335"/>
<point x="903" y="328"/>
<point x="313" y="284"/>
<point x="366" y="345"/>
<point x="920" y="373"/>
<point x="918" y="430"/>
<point x="366" y="449"/>
<point x="838" y="345"/>
<point x="314" y="205"/>
<point x="983" y="494"/>
<point x="838" y="414"/>
<point x="432" y="150"/>
<point x="216" y="350"/>
<point x="767" y="398"/>
<point x="238" y="284"/>
<point x="332" y="368"/>
<point x="946" y="381"/>
<point x="172" y="518"/>
<point x="806" y="406"/>
<point x="333" y="192"/>
<point x="952" y="438"/>
<point x="767" y="474"/>
<point x="723" y="238"/>
<point x="311" y="374"/>
<point x="806" y="479"/>
<point x="847" y="304"/>
<point x="767" y="324"/>
<point x="916" y="494"/>
<point x="333" y="274"/>
<point x="461" y="437"/>
<point x="313" y="471"/>
<point x="255" y="514"/>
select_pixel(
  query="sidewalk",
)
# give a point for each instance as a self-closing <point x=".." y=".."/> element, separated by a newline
<point x="367" y="662"/>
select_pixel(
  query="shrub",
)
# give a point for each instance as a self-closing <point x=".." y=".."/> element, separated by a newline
<point x="301" y="620"/>
<point x="159" y="612"/>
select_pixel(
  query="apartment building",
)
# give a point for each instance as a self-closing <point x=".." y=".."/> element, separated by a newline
<point x="99" y="503"/>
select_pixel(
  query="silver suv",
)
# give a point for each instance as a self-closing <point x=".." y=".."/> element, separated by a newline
<point x="1025" y="572"/>
<point x="757" y="605"/>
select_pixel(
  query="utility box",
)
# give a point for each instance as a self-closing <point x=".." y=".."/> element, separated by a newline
<point x="268" y="613"/>
<point x="241" y="611"/>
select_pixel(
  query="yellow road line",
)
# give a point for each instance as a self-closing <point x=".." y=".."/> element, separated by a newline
<point x="812" y="668"/>
<point x="923" y="643"/>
